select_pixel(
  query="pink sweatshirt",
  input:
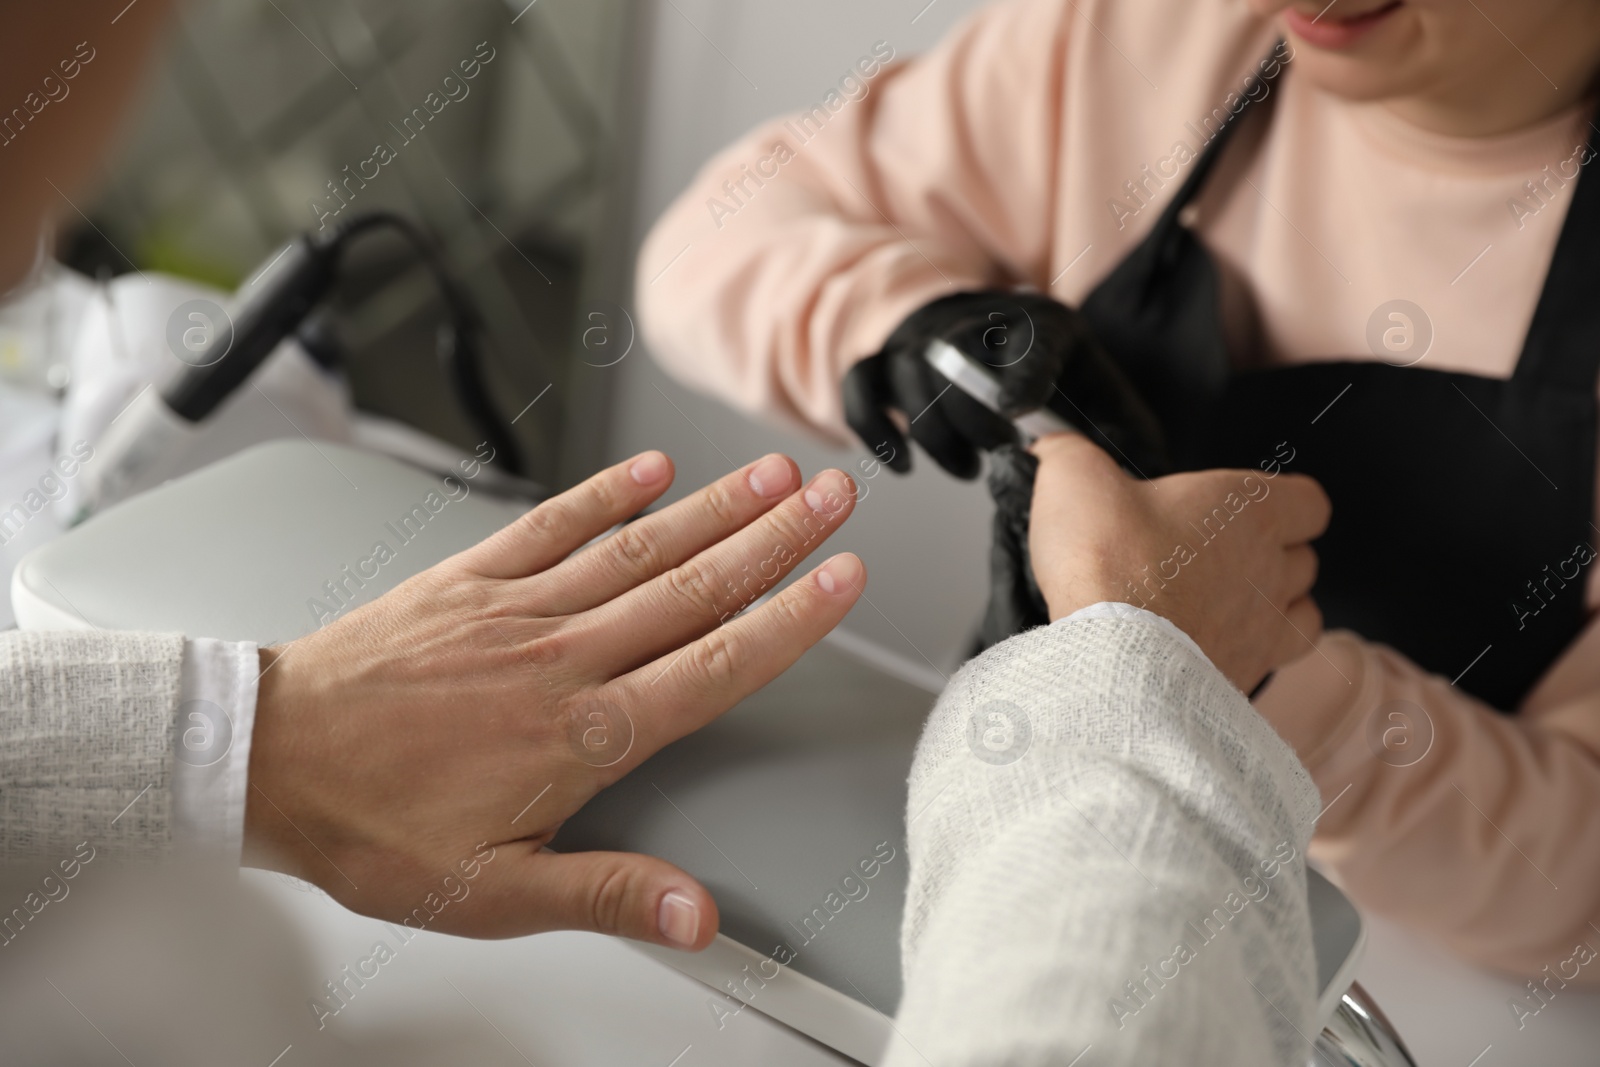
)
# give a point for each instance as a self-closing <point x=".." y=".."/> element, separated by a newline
<point x="1036" y="146"/>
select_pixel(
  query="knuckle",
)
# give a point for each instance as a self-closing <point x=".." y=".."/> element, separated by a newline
<point x="712" y="660"/>
<point x="607" y="495"/>
<point x="689" y="583"/>
<point x="1268" y="521"/>
<point x="610" y="901"/>
<point x="598" y="732"/>
<point x="792" y="539"/>
<point x="567" y="722"/>
<point x="545" y="522"/>
<point x="471" y="599"/>
<point x="790" y="607"/>
<point x="720" y="502"/>
<point x="638" y="549"/>
<point x="547" y="650"/>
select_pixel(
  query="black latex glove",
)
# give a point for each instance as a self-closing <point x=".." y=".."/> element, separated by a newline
<point x="1044" y="356"/>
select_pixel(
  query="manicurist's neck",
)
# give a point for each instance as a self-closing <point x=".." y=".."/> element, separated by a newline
<point x="1521" y="91"/>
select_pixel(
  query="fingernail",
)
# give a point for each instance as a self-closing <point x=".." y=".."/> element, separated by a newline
<point x="829" y="492"/>
<point x="841" y="574"/>
<point x="771" y="477"/>
<point x="679" y="919"/>
<point x="649" y="468"/>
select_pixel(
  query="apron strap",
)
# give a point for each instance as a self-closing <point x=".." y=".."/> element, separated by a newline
<point x="1563" y="343"/>
<point x="1164" y="236"/>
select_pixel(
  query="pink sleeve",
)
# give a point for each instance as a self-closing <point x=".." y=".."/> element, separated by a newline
<point x="1481" y="830"/>
<point x="797" y="251"/>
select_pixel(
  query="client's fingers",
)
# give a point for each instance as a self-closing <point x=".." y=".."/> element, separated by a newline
<point x="559" y="526"/>
<point x="1299" y="572"/>
<point x="1302" y="507"/>
<point x="687" y="689"/>
<point x="618" y="893"/>
<point x="1299" y="634"/>
<point x="661" y="616"/>
<point x="643" y="549"/>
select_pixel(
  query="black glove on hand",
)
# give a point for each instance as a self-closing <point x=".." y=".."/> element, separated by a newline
<point x="1043" y="355"/>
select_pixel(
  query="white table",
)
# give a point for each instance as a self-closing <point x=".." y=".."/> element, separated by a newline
<point x="565" y="999"/>
<point x="1451" y="1015"/>
<point x="576" y="1000"/>
<point x="568" y="998"/>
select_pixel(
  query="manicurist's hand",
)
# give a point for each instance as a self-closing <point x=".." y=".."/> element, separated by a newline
<point x="1224" y="554"/>
<point x="414" y="757"/>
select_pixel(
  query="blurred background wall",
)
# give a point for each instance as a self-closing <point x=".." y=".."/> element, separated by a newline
<point x="712" y="70"/>
<point x="539" y="183"/>
<point x="263" y="121"/>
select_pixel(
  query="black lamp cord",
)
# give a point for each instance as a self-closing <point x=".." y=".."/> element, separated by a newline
<point x="460" y="337"/>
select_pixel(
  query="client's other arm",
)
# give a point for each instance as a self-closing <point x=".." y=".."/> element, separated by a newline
<point x="1105" y="838"/>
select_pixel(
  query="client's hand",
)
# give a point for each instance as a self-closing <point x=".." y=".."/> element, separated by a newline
<point x="414" y="757"/>
<point x="1224" y="554"/>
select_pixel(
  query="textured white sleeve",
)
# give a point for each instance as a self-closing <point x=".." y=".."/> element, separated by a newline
<point x="86" y="742"/>
<point x="1117" y="609"/>
<point x="214" y="717"/>
<point x="1105" y="854"/>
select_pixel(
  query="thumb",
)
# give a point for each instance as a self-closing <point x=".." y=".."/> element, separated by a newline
<point x="618" y="893"/>
<point x="1075" y="477"/>
<point x="1075" y="454"/>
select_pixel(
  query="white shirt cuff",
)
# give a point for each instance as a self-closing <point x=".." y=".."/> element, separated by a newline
<point x="211" y="744"/>
<point x="1113" y="609"/>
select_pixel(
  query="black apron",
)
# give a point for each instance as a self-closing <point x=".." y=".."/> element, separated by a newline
<point x="1462" y="505"/>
